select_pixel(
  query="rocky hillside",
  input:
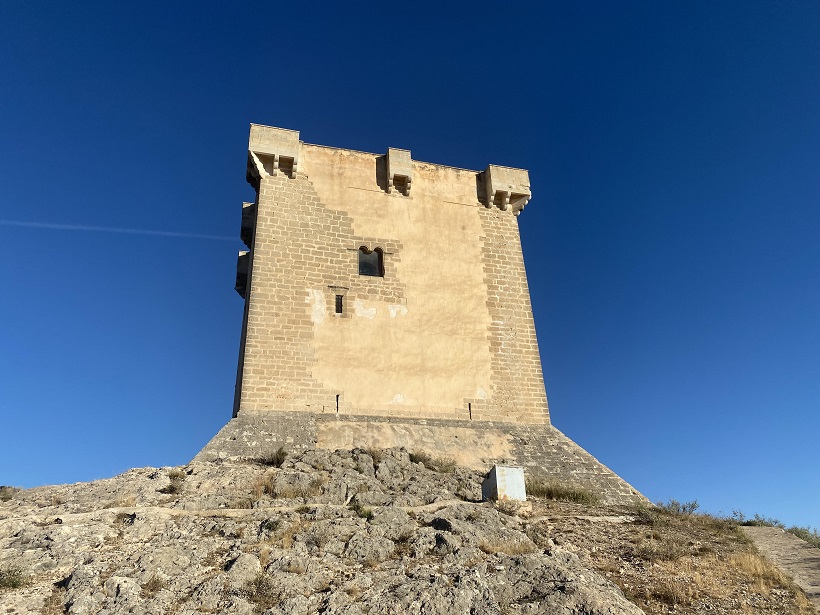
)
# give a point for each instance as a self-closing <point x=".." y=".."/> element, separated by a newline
<point x="323" y="532"/>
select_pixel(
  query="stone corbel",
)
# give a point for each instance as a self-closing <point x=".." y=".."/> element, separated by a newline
<point x="507" y="187"/>
<point x="271" y="150"/>
<point x="399" y="170"/>
<point x="255" y="167"/>
<point x="242" y="268"/>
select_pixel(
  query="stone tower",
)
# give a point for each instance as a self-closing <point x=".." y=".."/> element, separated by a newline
<point x="386" y="304"/>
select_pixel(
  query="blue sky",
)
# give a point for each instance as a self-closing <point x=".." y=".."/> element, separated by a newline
<point x="671" y="244"/>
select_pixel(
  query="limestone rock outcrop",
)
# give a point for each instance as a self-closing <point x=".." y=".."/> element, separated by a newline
<point x="343" y="532"/>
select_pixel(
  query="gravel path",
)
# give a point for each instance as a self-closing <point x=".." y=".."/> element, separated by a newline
<point x="795" y="557"/>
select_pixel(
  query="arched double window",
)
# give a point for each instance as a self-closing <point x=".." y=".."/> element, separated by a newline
<point x="371" y="262"/>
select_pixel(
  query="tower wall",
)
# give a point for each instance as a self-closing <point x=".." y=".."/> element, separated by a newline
<point x="447" y="332"/>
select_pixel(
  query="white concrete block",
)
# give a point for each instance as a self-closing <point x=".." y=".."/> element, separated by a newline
<point x="504" y="483"/>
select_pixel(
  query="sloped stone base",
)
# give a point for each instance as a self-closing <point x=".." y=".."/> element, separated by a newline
<point x="541" y="449"/>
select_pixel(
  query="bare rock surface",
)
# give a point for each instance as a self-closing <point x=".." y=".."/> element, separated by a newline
<point x="343" y="532"/>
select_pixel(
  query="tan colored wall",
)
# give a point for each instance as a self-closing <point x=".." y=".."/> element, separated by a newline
<point x="447" y="333"/>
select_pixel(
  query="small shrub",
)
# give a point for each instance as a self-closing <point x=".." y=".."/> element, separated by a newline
<point x="445" y="465"/>
<point x="12" y="577"/>
<point x="176" y="474"/>
<point x="153" y="585"/>
<point x="124" y="518"/>
<point x="376" y="453"/>
<point x="761" y="521"/>
<point x="176" y="477"/>
<point x="318" y="536"/>
<point x="269" y="526"/>
<point x="810" y="535"/>
<point x="6" y="492"/>
<point x="172" y="488"/>
<point x="403" y="544"/>
<point x="262" y="591"/>
<point x="275" y="459"/>
<point x="557" y="491"/>
<point x="362" y="511"/>
<point x="679" y="508"/>
<point x="421" y="457"/>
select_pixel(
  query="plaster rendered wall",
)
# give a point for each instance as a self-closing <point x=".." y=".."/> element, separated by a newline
<point x="447" y="333"/>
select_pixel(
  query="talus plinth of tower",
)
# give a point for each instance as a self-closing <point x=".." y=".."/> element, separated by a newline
<point x="386" y="304"/>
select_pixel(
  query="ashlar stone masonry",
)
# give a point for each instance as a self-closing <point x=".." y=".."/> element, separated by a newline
<point x="386" y="304"/>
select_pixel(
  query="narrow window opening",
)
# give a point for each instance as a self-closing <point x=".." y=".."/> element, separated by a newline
<point x="337" y="404"/>
<point x="339" y="304"/>
<point x="470" y="410"/>
<point x="371" y="262"/>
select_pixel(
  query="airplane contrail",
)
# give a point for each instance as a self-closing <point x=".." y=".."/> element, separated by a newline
<point x="113" y="229"/>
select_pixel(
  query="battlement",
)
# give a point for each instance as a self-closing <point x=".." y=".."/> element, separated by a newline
<point x="273" y="151"/>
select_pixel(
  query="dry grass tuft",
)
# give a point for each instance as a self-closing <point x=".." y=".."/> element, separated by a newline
<point x="444" y="465"/>
<point x="176" y="478"/>
<point x="491" y="547"/>
<point x="361" y="511"/>
<point x="275" y="459"/>
<point x="289" y="533"/>
<point x="674" y="591"/>
<point x="551" y="490"/>
<point x="12" y="577"/>
<point x="262" y="591"/>
<point x="658" y="547"/>
<point x="764" y="575"/>
<point x="153" y="585"/>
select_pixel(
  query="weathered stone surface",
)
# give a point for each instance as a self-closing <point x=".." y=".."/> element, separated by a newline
<point x="541" y="449"/>
<point x="127" y="545"/>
